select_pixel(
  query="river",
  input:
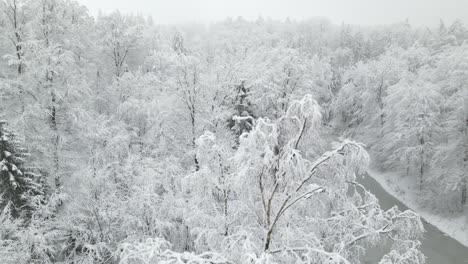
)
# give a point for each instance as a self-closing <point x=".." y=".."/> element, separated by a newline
<point x="438" y="247"/>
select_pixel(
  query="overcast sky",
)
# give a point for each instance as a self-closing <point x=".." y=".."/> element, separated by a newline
<point x="365" y="12"/>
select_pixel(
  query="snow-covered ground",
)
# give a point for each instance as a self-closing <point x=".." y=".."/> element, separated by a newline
<point x="403" y="188"/>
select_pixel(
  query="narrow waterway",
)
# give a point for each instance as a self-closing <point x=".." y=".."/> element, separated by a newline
<point x="438" y="247"/>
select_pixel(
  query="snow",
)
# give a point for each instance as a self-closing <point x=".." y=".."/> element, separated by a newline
<point x="403" y="188"/>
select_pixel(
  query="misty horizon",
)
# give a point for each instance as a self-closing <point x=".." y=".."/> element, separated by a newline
<point x="363" y="13"/>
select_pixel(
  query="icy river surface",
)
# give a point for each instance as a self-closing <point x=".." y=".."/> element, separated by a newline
<point x="438" y="247"/>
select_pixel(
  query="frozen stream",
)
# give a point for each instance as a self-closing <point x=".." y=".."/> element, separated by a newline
<point x="438" y="247"/>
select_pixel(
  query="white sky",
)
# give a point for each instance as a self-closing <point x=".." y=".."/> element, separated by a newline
<point x="364" y="12"/>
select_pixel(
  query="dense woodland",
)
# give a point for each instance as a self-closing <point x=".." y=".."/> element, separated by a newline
<point x="124" y="141"/>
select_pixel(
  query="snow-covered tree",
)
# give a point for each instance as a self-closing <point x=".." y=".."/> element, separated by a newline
<point x="51" y="80"/>
<point x="211" y="143"/>
<point x="243" y="117"/>
<point x="284" y="75"/>
<point x="158" y="251"/>
<point x="290" y="202"/>
<point x="119" y="35"/>
<point x="18" y="16"/>
<point x="413" y="128"/>
<point x="360" y="103"/>
<point x="209" y="192"/>
<point x="451" y="157"/>
<point x="188" y="88"/>
<point x="21" y="184"/>
<point x="32" y="243"/>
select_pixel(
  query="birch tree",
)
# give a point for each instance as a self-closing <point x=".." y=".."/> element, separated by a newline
<point x="289" y="207"/>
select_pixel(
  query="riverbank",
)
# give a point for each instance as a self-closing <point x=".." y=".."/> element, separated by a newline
<point x="403" y="190"/>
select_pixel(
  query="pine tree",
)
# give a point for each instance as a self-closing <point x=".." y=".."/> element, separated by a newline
<point x="242" y="121"/>
<point x="21" y="186"/>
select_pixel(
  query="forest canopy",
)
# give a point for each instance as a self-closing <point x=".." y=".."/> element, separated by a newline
<point x="122" y="141"/>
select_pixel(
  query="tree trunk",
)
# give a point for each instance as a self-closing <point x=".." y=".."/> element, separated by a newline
<point x="407" y="166"/>
<point x="421" y="173"/>
<point x="465" y="161"/>
<point x="55" y="141"/>
<point x="18" y="47"/>
<point x="226" y="226"/>
<point x="18" y="54"/>
<point x="54" y="128"/>
<point x="194" y="145"/>
<point x="381" y="104"/>
<point x="268" y="239"/>
<point x="463" y="198"/>
<point x="421" y="168"/>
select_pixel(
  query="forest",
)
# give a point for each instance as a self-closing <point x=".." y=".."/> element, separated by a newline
<point x="126" y="141"/>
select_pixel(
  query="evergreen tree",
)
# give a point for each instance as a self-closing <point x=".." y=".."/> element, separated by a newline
<point x="242" y="120"/>
<point x="21" y="186"/>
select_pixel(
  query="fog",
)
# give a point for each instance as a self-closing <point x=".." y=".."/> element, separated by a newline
<point x="364" y="12"/>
